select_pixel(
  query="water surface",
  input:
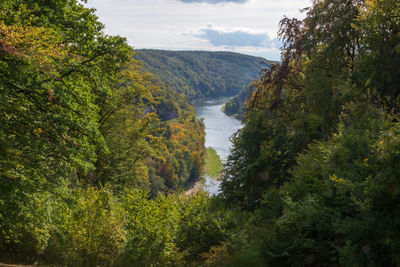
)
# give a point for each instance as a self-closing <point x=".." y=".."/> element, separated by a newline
<point x="219" y="128"/>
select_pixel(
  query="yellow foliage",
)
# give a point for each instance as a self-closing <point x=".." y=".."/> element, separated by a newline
<point x="37" y="44"/>
<point x="335" y="179"/>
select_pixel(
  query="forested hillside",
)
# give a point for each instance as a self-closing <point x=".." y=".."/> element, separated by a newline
<point x="235" y="106"/>
<point x="200" y="73"/>
<point x="85" y="134"/>
<point x="316" y="164"/>
<point x="95" y="152"/>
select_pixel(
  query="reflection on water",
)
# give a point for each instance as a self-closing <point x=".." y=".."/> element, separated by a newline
<point x="219" y="128"/>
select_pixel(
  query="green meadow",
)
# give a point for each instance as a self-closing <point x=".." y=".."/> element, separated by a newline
<point x="213" y="163"/>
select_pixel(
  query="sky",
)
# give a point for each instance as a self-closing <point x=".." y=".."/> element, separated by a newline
<point x="243" y="26"/>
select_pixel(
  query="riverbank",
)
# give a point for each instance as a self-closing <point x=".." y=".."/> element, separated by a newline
<point x="213" y="163"/>
<point x="213" y="171"/>
<point x="219" y="127"/>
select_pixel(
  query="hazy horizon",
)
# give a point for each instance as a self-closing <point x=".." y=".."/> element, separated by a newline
<point x="241" y="26"/>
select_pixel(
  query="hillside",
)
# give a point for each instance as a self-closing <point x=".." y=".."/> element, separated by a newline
<point x="96" y="154"/>
<point x="201" y="73"/>
<point x="234" y="107"/>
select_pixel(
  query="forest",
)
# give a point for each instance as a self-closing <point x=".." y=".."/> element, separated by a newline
<point x="96" y="153"/>
<point x="235" y="106"/>
<point x="201" y="73"/>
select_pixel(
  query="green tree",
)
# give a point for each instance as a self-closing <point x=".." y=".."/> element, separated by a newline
<point x="92" y="232"/>
<point x="128" y="124"/>
<point x="55" y="61"/>
<point x="379" y="25"/>
<point x="151" y="228"/>
<point x="328" y="117"/>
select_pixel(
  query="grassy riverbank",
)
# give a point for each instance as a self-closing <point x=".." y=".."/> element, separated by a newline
<point x="213" y="163"/>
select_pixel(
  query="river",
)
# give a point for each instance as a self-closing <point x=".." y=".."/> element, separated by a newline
<point x="219" y="128"/>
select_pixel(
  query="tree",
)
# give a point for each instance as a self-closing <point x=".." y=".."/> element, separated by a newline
<point x="379" y="26"/>
<point x="128" y="123"/>
<point x="55" y="62"/>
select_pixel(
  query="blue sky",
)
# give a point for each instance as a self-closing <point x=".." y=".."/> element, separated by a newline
<point x="243" y="26"/>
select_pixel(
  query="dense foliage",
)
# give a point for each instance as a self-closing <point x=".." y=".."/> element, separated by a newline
<point x="94" y="152"/>
<point x="234" y="107"/>
<point x="200" y="73"/>
<point x="81" y="126"/>
<point x="315" y="163"/>
<point x="181" y="151"/>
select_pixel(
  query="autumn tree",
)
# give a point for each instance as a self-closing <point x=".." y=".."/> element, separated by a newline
<point x="55" y="63"/>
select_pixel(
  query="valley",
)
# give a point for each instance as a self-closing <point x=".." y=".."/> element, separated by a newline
<point x="218" y="130"/>
<point x="114" y="156"/>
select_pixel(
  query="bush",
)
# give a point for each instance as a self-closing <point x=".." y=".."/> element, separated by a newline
<point x="25" y="221"/>
<point x="93" y="233"/>
<point x="150" y="229"/>
<point x="201" y="226"/>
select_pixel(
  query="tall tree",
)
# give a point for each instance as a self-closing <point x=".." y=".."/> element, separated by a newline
<point x="55" y="63"/>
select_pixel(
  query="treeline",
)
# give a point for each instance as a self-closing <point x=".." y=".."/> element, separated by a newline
<point x="90" y="146"/>
<point x="235" y="106"/>
<point x="152" y="138"/>
<point x="201" y="73"/>
<point x="315" y="167"/>
<point x="180" y="152"/>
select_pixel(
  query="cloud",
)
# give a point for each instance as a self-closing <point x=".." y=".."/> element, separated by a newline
<point x="213" y="1"/>
<point x="239" y="37"/>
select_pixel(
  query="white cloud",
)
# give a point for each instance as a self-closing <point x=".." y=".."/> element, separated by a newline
<point x="160" y="23"/>
<point x="236" y="37"/>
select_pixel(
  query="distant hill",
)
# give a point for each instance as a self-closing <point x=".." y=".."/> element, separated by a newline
<point x="201" y="73"/>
